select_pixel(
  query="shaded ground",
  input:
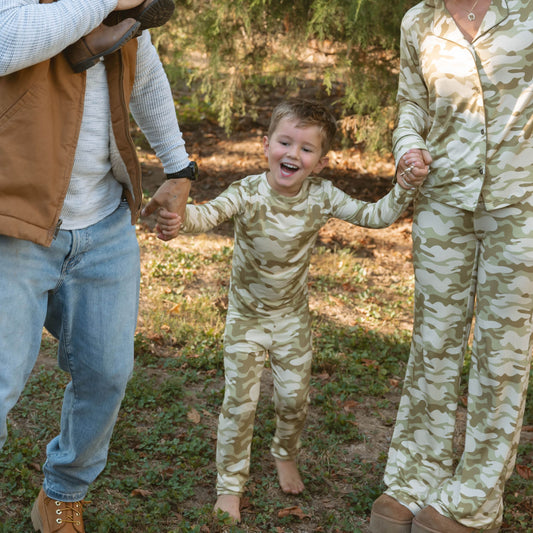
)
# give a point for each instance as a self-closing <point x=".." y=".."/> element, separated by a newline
<point x="179" y="467"/>
<point x="222" y="160"/>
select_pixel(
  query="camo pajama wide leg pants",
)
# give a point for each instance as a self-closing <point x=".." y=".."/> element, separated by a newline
<point x="465" y="261"/>
<point x="286" y="338"/>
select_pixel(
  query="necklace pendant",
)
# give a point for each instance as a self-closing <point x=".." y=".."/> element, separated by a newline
<point x="471" y="17"/>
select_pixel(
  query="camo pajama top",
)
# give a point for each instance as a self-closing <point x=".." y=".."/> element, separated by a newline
<point x="275" y="234"/>
<point x="469" y="104"/>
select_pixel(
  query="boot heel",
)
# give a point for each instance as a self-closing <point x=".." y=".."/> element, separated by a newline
<point x="36" y="518"/>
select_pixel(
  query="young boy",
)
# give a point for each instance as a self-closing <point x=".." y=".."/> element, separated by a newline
<point x="277" y="217"/>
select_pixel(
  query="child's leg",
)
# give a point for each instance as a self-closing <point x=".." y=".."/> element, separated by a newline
<point x="244" y="358"/>
<point x="291" y="359"/>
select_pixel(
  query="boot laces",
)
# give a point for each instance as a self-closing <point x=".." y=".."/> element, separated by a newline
<point x="73" y="512"/>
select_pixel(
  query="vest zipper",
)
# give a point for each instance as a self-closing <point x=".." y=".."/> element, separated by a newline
<point x="58" y="227"/>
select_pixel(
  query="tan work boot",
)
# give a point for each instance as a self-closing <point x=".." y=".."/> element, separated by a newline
<point x="150" y="13"/>
<point x="428" y="520"/>
<point x="102" y="41"/>
<point x="51" y="516"/>
<point x="390" y="516"/>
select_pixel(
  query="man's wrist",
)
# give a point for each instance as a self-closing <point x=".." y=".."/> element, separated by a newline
<point x="190" y="172"/>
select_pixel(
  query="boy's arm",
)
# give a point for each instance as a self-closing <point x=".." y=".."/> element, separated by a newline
<point x="380" y="214"/>
<point x="204" y="217"/>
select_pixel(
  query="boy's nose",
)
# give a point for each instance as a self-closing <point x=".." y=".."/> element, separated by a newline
<point x="294" y="152"/>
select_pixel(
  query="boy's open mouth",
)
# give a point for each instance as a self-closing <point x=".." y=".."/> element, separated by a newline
<point x="288" y="168"/>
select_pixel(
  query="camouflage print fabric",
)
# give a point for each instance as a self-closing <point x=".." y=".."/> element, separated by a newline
<point x="268" y="309"/>
<point x="460" y="258"/>
<point x="470" y="104"/>
<point x="286" y="340"/>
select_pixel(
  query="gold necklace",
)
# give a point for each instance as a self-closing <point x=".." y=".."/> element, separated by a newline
<point x="471" y="16"/>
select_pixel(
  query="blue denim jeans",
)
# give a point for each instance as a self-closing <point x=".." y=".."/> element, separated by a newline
<point x="84" y="289"/>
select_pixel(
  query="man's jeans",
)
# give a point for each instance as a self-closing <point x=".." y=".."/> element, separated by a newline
<point x="84" y="289"/>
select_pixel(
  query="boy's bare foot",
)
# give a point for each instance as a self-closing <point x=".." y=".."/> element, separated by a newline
<point x="289" y="477"/>
<point x="229" y="503"/>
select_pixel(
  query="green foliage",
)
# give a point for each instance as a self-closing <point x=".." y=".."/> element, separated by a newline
<point x="233" y="53"/>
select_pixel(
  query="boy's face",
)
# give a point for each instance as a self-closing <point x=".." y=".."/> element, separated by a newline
<point x="293" y="152"/>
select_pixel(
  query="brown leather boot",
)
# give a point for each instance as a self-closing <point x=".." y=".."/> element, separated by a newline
<point x="51" y="516"/>
<point x="428" y="520"/>
<point x="390" y="516"/>
<point x="150" y="13"/>
<point x="102" y="41"/>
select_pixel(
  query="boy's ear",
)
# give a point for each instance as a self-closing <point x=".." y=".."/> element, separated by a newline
<point x="322" y="162"/>
<point x="266" y="144"/>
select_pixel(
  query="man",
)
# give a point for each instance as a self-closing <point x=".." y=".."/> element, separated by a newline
<point x="70" y="191"/>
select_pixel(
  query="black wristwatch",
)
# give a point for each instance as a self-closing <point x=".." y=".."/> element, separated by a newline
<point x="190" y="172"/>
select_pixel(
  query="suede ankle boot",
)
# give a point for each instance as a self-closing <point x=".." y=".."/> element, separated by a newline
<point x="390" y="516"/>
<point x="102" y="41"/>
<point x="53" y="516"/>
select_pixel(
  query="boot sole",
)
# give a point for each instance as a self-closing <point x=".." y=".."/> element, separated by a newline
<point x="92" y="60"/>
<point x="383" y="524"/>
<point x="156" y="14"/>
<point x="420" y="528"/>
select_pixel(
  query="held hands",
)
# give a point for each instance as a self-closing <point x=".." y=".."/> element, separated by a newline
<point x="169" y="203"/>
<point x="413" y="168"/>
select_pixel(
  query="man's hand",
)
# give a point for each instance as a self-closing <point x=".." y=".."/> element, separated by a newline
<point x="413" y="168"/>
<point x="127" y="4"/>
<point x="169" y="202"/>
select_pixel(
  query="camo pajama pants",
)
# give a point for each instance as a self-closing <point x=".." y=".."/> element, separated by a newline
<point x="286" y="338"/>
<point x="465" y="261"/>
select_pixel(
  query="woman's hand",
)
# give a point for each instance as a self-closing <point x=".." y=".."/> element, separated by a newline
<point x="413" y="168"/>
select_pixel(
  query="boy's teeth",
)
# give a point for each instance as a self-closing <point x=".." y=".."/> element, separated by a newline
<point x="290" y="167"/>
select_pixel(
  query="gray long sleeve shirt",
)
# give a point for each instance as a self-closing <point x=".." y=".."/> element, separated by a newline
<point x="30" y="33"/>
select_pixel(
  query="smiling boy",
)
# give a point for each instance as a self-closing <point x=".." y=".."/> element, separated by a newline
<point x="277" y="216"/>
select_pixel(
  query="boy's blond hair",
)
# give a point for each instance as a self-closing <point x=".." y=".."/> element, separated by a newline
<point x="307" y="113"/>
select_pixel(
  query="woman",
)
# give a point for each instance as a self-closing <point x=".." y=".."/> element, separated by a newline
<point x="466" y="103"/>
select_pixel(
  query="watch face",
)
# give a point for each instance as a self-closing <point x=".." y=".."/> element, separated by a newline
<point x="193" y="170"/>
<point x="190" y="172"/>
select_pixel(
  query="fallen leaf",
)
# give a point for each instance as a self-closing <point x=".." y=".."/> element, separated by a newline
<point x="194" y="416"/>
<point x="143" y="493"/>
<point x="350" y="405"/>
<point x="292" y="511"/>
<point x="175" y="310"/>
<point x="370" y="363"/>
<point x="524" y="472"/>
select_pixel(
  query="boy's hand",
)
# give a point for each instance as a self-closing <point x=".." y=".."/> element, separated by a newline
<point x="170" y="199"/>
<point x="168" y="224"/>
<point x="413" y="168"/>
<point x="127" y="4"/>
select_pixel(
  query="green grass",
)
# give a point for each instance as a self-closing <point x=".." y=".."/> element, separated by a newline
<point x="160" y="475"/>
